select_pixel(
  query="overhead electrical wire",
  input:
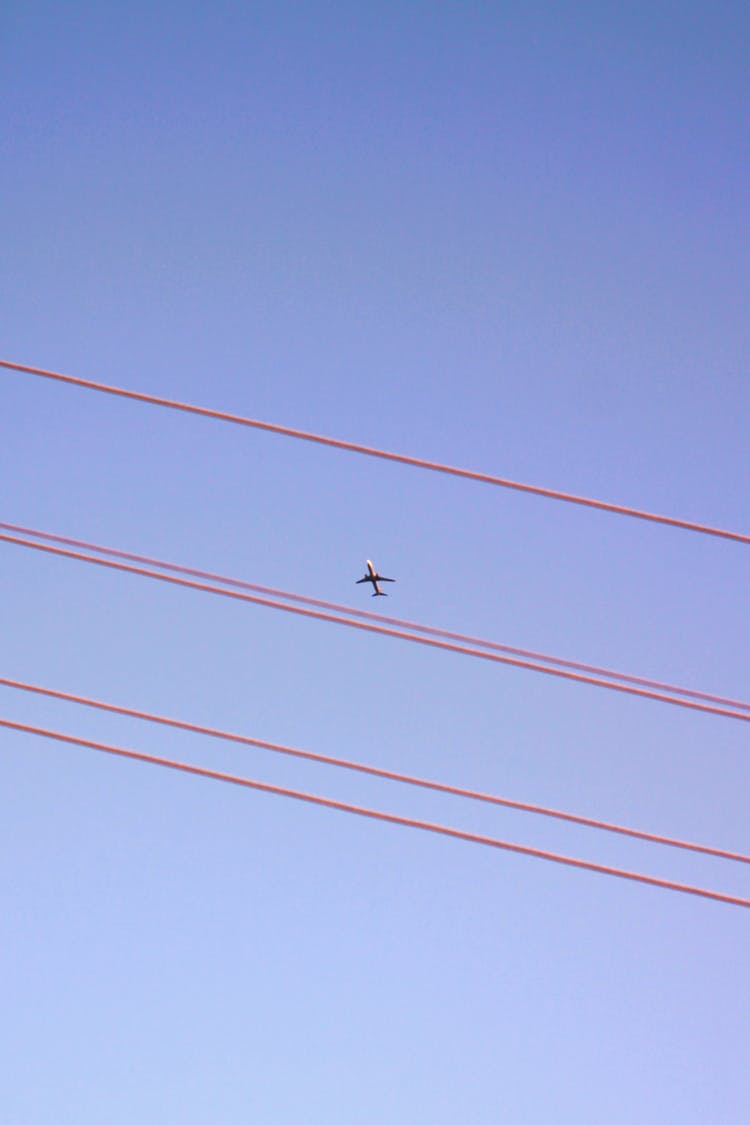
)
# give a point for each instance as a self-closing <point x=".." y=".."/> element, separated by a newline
<point x="383" y="630"/>
<point x="372" y="771"/>
<point x="384" y="619"/>
<point x="376" y="814"/>
<point x="383" y="454"/>
<point x="565" y="668"/>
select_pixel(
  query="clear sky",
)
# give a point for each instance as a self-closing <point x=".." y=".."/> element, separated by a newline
<point x="514" y="237"/>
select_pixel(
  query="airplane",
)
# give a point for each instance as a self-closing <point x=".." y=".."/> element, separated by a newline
<point x="373" y="576"/>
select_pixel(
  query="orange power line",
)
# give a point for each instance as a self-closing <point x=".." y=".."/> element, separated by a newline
<point x="414" y="626"/>
<point x="371" y="627"/>
<point x="373" y="771"/>
<point x="371" y="451"/>
<point x="375" y="814"/>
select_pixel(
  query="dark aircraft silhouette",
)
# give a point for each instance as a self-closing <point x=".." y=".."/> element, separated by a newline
<point x="374" y="577"/>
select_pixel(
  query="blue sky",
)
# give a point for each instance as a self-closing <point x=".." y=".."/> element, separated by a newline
<point x="511" y="237"/>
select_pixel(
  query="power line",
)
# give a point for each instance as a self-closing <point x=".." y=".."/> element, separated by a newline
<point x="373" y="771"/>
<point x="414" y="626"/>
<point x="376" y="814"/>
<point x="371" y="451"/>
<point x="371" y="627"/>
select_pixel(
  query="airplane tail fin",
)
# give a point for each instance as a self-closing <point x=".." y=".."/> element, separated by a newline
<point x="379" y="594"/>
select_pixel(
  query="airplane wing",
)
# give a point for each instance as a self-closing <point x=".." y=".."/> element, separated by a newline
<point x="360" y="580"/>
<point x="381" y="579"/>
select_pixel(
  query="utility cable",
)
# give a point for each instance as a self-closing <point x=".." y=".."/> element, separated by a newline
<point x="376" y="814"/>
<point x="372" y="771"/>
<point x="371" y="451"/>
<point x="384" y="619"/>
<point x="371" y="627"/>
